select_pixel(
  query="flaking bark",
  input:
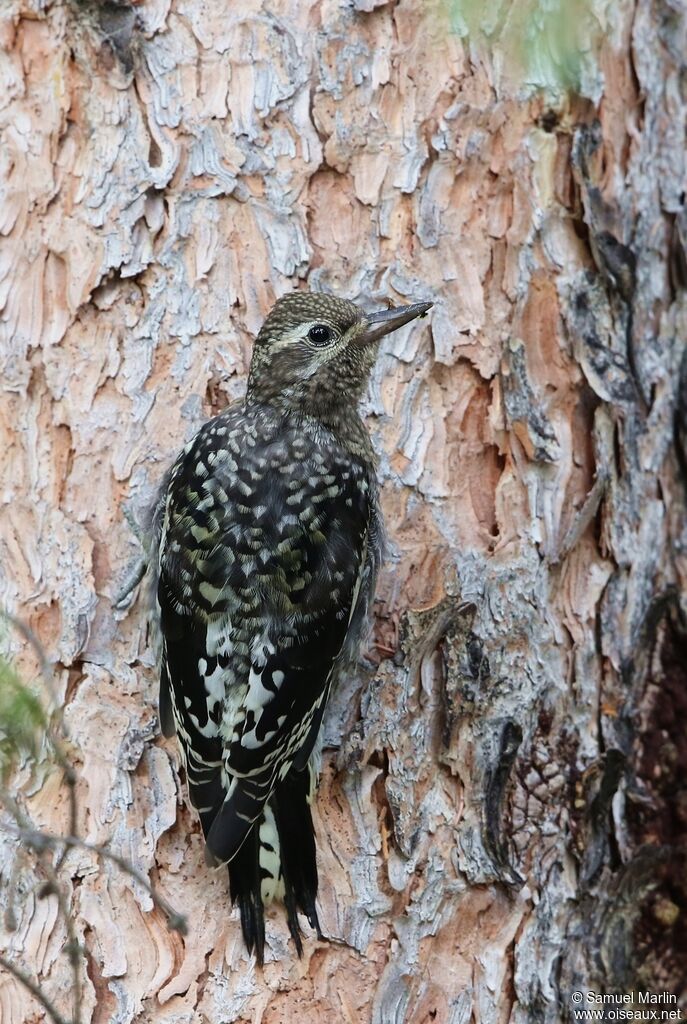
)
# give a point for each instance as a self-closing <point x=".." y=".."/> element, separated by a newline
<point x="501" y="818"/>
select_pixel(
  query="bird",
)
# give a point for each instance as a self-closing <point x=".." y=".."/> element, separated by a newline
<point x="269" y="541"/>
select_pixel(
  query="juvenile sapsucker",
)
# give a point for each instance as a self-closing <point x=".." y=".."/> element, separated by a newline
<point x="269" y="544"/>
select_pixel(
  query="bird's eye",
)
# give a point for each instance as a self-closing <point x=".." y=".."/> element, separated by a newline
<point x="320" y="334"/>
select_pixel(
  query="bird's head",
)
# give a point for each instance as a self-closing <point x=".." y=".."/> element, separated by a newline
<point x="315" y="351"/>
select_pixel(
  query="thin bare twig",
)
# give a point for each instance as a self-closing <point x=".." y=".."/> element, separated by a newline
<point x="34" y="989"/>
<point x="42" y="840"/>
<point x="53" y="886"/>
<point x="73" y="945"/>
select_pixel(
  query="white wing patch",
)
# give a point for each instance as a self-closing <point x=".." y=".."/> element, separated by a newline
<point x="262" y="688"/>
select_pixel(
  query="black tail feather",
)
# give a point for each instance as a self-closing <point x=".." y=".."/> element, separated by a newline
<point x="297" y="850"/>
<point x="244" y="885"/>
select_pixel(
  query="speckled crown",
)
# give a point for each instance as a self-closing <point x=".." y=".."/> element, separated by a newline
<point x="297" y="307"/>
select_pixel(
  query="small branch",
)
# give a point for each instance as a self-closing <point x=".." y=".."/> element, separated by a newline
<point x="34" y="989"/>
<point x="42" y="840"/>
<point x="56" y="732"/>
<point x="53" y="886"/>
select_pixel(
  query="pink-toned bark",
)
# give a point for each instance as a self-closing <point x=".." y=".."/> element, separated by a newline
<point x="167" y="170"/>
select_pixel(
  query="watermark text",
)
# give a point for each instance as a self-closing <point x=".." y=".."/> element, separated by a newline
<point x="588" y="1005"/>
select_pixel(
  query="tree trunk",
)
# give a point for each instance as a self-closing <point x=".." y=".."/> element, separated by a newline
<point x="502" y="812"/>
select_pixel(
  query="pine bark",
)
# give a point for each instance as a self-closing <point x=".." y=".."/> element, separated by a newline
<point x="501" y="819"/>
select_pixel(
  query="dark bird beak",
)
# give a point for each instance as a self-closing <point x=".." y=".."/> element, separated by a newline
<point x="388" y="320"/>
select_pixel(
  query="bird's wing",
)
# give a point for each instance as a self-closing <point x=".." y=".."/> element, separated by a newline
<point x="260" y="573"/>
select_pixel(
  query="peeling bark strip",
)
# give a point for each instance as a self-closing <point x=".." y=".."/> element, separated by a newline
<point x="168" y="168"/>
